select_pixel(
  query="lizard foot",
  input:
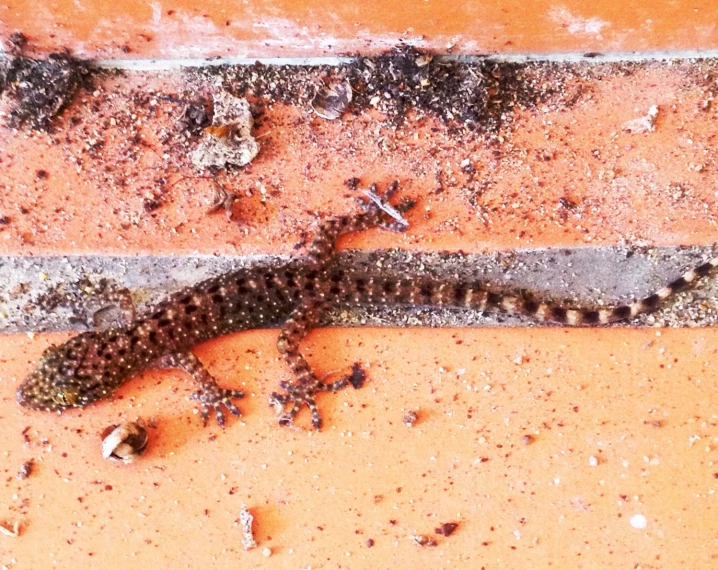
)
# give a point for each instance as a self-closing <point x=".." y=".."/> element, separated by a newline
<point x="210" y="394"/>
<point x="214" y="398"/>
<point x="377" y="205"/>
<point x="302" y="394"/>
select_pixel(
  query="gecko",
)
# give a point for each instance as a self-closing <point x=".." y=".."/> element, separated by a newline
<point x="90" y="366"/>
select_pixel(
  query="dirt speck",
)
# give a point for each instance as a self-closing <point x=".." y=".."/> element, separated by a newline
<point x="410" y="418"/>
<point x="446" y="529"/>
<point x="25" y="470"/>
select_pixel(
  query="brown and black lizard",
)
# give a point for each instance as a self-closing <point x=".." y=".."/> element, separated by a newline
<point x="90" y="366"/>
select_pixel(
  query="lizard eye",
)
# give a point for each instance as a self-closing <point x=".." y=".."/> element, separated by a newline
<point x="66" y="397"/>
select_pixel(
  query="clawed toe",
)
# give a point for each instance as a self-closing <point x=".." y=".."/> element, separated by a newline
<point x="298" y="396"/>
<point x="405" y="205"/>
<point x="214" y="400"/>
<point x="302" y="394"/>
<point x="380" y="204"/>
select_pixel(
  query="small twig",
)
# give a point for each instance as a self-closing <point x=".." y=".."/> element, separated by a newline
<point x="264" y="134"/>
<point x="385" y="207"/>
<point x="245" y="521"/>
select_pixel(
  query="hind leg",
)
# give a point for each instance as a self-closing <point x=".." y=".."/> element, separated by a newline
<point x="302" y="391"/>
<point x="376" y="211"/>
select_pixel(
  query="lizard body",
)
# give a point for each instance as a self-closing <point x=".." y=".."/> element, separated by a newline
<point x="90" y="366"/>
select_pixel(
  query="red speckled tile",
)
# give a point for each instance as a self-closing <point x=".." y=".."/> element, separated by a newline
<point x="621" y="423"/>
<point x="559" y="174"/>
<point x="269" y="28"/>
<point x="620" y="469"/>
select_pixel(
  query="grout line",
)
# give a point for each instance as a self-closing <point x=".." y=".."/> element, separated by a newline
<point x="50" y="293"/>
<point x="608" y="57"/>
<point x="565" y="57"/>
<point x="169" y="64"/>
<point x="558" y="57"/>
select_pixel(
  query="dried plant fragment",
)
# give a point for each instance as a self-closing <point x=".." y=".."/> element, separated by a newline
<point x="228" y="141"/>
<point x="421" y="540"/>
<point x="645" y="124"/>
<point x="223" y="200"/>
<point x="245" y="520"/>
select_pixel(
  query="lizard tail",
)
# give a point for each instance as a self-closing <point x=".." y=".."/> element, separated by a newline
<point x="555" y="313"/>
<point x="439" y="292"/>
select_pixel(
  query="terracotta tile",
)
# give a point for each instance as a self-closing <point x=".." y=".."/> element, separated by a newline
<point x="558" y="174"/>
<point x="639" y="402"/>
<point x="264" y="28"/>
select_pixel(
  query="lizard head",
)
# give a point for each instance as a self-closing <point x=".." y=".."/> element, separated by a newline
<point x="69" y="375"/>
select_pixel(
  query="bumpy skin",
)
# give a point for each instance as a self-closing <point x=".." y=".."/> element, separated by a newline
<point x="92" y="365"/>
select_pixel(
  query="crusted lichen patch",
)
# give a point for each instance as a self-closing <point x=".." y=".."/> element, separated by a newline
<point x="37" y="90"/>
<point x="477" y="94"/>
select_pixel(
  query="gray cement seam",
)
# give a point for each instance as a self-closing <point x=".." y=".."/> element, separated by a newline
<point x="54" y="293"/>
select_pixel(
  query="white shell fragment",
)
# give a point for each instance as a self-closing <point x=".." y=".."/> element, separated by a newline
<point x="124" y="442"/>
<point x="331" y="101"/>
<point x="645" y="124"/>
<point x="13" y="532"/>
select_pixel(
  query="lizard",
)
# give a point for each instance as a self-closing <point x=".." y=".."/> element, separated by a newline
<point x="90" y="366"/>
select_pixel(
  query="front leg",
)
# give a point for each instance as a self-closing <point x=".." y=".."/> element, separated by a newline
<point x="210" y="394"/>
<point x="376" y="211"/>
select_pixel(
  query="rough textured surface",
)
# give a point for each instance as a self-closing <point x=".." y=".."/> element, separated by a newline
<point x="35" y="91"/>
<point x="229" y="141"/>
<point x="621" y="419"/>
<point x="60" y="294"/>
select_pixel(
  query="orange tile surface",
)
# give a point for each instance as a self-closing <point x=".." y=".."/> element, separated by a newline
<point x="269" y="28"/>
<point x="557" y="175"/>
<point x="641" y="403"/>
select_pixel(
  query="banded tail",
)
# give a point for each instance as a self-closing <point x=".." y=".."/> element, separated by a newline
<point x="440" y="292"/>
